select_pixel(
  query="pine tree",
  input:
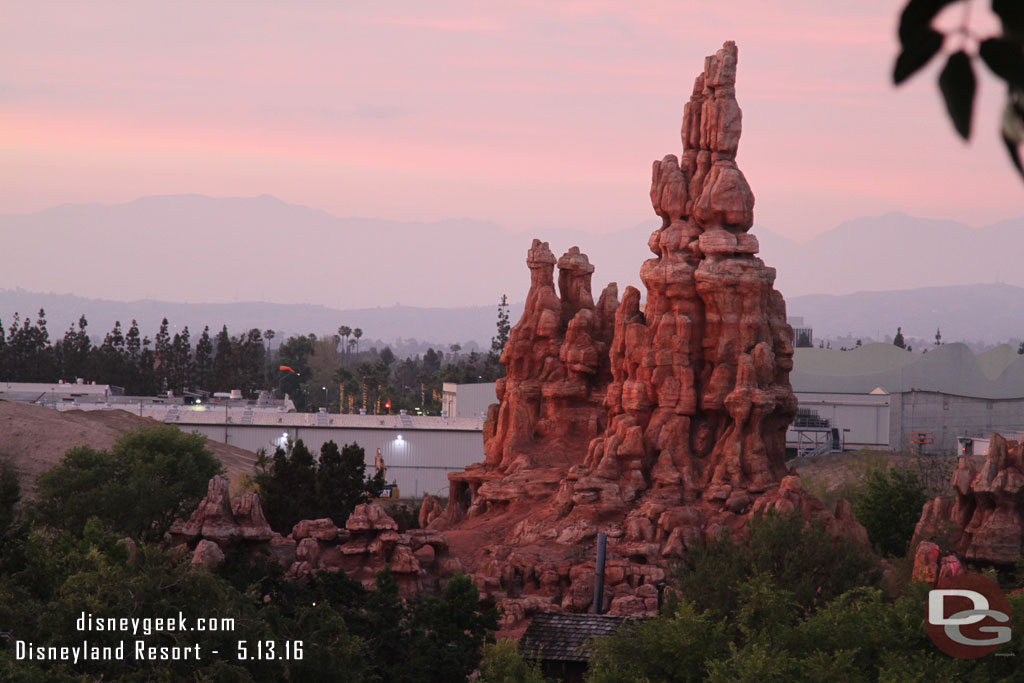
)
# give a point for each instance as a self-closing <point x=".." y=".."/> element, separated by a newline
<point x="223" y="362"/>
<point x="164" y="355"/>
<point x="203" y="359"/>
<point x="898" y="339"/>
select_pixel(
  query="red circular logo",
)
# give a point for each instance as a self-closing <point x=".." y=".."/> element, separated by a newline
<point x="968" y="616"/>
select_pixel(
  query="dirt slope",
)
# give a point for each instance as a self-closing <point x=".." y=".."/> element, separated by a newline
<point x="36" y="438"/>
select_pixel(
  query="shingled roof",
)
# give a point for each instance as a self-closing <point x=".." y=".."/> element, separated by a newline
<point x="552" y="636"/>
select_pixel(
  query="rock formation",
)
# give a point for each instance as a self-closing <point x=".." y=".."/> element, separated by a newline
<point x="370" y="540"/>
<point x="983" y="522"/>
<point x="660" y="424"/>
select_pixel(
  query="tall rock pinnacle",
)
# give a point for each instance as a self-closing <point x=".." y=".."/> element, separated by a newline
<point x="660" y="423"/>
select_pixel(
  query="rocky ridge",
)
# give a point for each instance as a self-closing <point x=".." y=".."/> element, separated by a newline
<point x="983" y="521"/>
<point x="370" y="540"/>
<point x="661" y="425"/>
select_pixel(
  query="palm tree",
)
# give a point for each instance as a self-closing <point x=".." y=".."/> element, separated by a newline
<point x="269" y="336"/>
<point x="357" y="333"/>
<point x="455" y="348"/>
<point x="345" y="331"/>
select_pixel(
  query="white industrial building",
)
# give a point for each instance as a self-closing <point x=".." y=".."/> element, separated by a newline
<point x="418" y="451"/>
<point x="933" y="398"/>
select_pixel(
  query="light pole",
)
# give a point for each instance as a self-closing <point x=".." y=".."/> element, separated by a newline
<point x="325" y="397"/>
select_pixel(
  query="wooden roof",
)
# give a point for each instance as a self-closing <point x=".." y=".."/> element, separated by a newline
<point x="553" y="636"/>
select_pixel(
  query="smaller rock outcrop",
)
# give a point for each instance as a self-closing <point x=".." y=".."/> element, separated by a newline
<point x="983" y="522"/>
<point x="370" y="541"/>
<point x="931" y="567"/>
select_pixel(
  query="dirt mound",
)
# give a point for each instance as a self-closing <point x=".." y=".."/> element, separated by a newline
<point x="35" y="438"/>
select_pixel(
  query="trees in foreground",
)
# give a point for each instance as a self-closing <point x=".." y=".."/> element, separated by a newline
<point x="80" y="554"/>
<point x="294" y="486"/>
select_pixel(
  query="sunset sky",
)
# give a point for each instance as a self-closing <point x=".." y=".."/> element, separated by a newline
<point x="527" y="114"/>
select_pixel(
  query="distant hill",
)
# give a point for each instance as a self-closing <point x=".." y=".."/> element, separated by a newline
<point x="201" y="249"/>
<point x="991" y="314"/>
<point x="895" y="251"/>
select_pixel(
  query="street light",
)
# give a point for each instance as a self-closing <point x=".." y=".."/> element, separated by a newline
<point x="325" y="395"/>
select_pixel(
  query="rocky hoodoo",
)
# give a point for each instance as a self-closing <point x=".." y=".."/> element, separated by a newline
<point x="983" y="522"/>
<point x="370" y="540"/>
<point x="660" y="425"/>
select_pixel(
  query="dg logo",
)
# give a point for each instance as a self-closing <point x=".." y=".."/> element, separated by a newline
<point x="968" y="617"/>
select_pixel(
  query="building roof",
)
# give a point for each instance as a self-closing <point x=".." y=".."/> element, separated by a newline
<point x="948" y="369"/>
<point x="278" y="417"/>
<point x="553" y="636"/>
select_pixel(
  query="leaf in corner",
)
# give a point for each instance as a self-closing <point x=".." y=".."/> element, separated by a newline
<point x="1011" y="13"/>
<point x="1013" y="128"/>
<point x="916" y="53"/>
<point x="957" y="85"/>
<point x="917" y="17"/>
<point x="1006" y="59"/>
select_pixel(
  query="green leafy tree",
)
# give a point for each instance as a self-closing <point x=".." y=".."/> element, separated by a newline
<point x="10" y="497"/>
<point x="293" y="486"/>
<point x="502" y="663"/>
<point x="889" y="508"/>
<point x="151" y="476"/>
<point x="674" y="648"/>
<point x="341" y="483"/>
<point x="802" y="559"/>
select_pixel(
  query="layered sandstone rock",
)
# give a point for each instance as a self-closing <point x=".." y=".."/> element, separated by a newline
<point x="557" y="367"/>
<point x="983" y="522"/>
<point x="370" y="541"/>
<point x="661" y="424"/>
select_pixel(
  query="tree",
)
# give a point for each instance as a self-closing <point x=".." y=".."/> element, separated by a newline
<point x="10" y="497"/>
<point x="163" y="352"/>
<point x="203" y="362"/>
<point x="341" y="483"/>
<point x="499" y="340"/>
<point x="938" y="337"/>
<point x="225" y="366"/>
<point x="889" y="509"/>
<point x="675" y="647"/>
<point x="502" y="663"/>
<point x="293" y="486"/>
<point x="269" y="335"/>
<point x="356" y="334"/>
<point x="803" y="341"/>
<point x="345" y="331"/>
<point x="804" y="560"/>
<point x="898" y="339"/>
<point x="151" y="476"/>
<point x="1002" y="54"/>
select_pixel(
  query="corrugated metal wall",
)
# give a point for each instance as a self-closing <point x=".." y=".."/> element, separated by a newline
<point x="946" y="417"/>
<point x="865" y="415"/>
<point x="419" y="461"/>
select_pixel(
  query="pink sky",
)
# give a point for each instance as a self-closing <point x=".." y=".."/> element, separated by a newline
<point x="528" y="114"/>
